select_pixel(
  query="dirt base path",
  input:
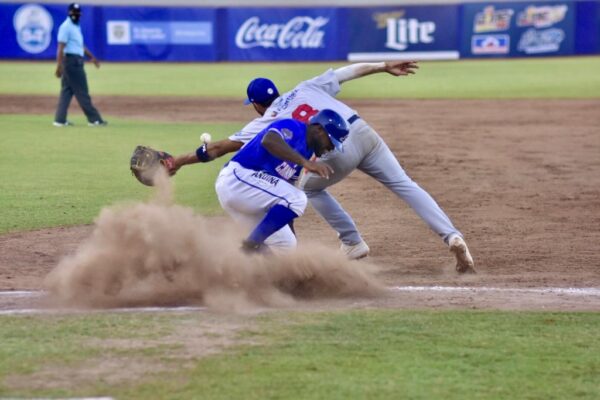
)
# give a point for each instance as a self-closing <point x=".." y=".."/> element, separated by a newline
<point x="520" y="179"/>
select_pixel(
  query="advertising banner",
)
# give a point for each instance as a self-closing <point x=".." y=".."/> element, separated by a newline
<point x="420" y="32"/>
<point x="158" y="34"/>
<point x="128" y="33"/>
<point x="518" y="29"/>
<point x="258" y="34"/>
<point x="29" y="31"/>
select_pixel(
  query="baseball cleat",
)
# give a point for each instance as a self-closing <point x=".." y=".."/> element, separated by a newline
<point x="251" y="247"/>
<point x="356" y="251"/>
<point x="61" y="124"/>
<point x="464" y="261"/>
<point x="98" y="123"/>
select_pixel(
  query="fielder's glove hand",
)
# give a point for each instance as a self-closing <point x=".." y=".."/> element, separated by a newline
<point x="146" y="161"/>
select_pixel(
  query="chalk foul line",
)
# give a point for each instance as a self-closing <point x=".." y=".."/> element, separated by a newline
<point x="25" y="294"/>
<point x="574" y="291"/>
<point x="590" y="291"/>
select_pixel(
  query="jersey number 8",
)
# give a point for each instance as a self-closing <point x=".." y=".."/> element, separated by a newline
<point x="303" y="113"/>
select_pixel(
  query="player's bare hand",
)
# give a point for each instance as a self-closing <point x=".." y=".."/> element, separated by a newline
<point x="58" y="72"/>
<point x="321" y="169"/>
<point x="96" y="62"/>
<point x="401" y="68"/>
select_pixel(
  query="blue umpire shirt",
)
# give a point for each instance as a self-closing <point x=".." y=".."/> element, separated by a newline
<point x="254" y="156"/>
<point x="70" y="34"/>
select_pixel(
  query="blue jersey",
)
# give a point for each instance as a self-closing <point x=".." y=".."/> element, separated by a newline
<point x="254" y="156"/>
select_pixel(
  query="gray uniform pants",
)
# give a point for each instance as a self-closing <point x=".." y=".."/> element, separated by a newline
<point x="74" y="83"/>
<point x="365" y="150"/>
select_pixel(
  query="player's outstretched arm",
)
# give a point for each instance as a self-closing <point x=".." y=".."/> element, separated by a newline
<point x="396" y="68"/>
<point x="205" y="153"/>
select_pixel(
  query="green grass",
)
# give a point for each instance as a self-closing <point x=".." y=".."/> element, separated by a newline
<point x="356" y="355"/>
<point x="522" y="78"/>
<point x="64" y="176"/>
<point x="30" y="344"/>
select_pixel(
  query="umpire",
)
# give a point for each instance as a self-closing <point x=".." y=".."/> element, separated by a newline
<point x="69" y="60"/>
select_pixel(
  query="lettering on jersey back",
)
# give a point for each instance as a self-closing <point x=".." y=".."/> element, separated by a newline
<point x="283" y="103"/>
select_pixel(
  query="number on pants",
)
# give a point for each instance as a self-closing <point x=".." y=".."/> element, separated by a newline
<point x="303" y="113"/>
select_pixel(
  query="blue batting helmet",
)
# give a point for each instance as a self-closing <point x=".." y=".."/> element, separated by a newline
<point x="335" y="126"/>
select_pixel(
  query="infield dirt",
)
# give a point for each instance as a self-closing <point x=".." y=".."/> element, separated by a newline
<point x="520" y="179"/>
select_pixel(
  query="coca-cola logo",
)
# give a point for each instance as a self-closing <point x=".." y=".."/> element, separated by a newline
<point x="299" y="32"/>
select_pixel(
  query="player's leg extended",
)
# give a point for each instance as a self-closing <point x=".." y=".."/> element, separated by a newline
<point x="382" y="165"/>
<point x="331" y="211"/>
<point x="325" y="204"/>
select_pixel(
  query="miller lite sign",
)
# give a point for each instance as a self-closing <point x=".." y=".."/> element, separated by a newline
<point x="418" y="32"/>
<point x="402" y="32"/>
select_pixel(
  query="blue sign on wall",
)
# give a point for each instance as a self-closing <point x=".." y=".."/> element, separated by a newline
<point x="156" y="33"/>
<point x="587" y="28"/>
<point x="403" y="32"/>
<point x="517" y="29"/>
<point x="282" y="34"/>
<point x="29" y="31"/>
<point x="128" y="33"/>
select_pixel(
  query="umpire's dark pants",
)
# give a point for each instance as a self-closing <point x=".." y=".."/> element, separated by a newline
<point x="74" y="82"/>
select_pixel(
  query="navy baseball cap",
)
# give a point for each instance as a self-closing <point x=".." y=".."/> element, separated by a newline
<point x="261" y="91"/>
<point x="74" y="7"/>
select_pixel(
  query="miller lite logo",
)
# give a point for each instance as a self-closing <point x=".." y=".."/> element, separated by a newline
<point x="299" y="32"/>
<point x="402" y="32"/>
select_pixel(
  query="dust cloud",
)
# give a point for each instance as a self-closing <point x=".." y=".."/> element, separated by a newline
<point x="157" y="253"/>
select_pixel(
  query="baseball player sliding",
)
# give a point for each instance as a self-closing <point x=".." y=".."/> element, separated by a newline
<point x="254" y="187"/>
<point x="364" y="150"/>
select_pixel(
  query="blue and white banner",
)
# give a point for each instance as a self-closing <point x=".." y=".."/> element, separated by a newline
<point x="420" y="32"/>
<point x="158" y="32"/>
<point x="28" y="31"/>
<point x="161" y="34"/>
<point x="518" y="29"/>
<point x="128" y="33"/>
<point x="257" y="34"/>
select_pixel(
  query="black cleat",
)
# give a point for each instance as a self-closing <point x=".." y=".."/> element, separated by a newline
<point x="251" y="247"/>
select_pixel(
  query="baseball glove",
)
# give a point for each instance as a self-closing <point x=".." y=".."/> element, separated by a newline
<point x="146" y="161"/>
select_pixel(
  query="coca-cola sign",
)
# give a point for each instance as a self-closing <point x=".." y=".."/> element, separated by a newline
<point x="300" y="32"/>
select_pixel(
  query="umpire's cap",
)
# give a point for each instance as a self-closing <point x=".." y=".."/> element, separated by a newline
<point x="333" y="123"/>
<point x="262" y="91"/>
<point x="74" y="7"/>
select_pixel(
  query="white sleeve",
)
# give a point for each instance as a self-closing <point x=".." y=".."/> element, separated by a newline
<point x="354" y="71"/>
<point x="248" y="132"/>
<point x="327" y="82"/>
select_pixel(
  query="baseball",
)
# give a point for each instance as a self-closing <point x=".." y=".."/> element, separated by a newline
<point x="205" y="137"/>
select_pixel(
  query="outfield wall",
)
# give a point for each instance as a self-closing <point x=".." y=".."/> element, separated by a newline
<point x="437" y="31"/>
